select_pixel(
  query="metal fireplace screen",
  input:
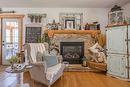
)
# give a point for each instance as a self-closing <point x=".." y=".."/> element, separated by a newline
<point x="72" y="52"/>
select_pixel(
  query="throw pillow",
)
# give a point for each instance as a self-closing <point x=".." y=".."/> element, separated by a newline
<point x="95" y="51"/>
<point x="97" y="54"/>
<point x="54" y="52"/>
<point x="39" y="56"/>
<point x="46" y="53"/>
<point x="50" y="60"/>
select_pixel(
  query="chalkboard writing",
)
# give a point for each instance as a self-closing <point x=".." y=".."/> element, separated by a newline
<point x="33" y="34"/>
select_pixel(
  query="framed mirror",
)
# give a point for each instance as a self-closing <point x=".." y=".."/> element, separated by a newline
<point x="71" y="20"/>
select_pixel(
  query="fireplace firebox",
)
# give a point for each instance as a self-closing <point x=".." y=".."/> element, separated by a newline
<point x="72" y="52"/>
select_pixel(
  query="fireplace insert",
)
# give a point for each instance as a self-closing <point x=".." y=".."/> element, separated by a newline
<point x="72" y="52"/>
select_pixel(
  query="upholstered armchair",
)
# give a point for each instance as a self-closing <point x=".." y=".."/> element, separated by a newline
<point x="40" y="71"/>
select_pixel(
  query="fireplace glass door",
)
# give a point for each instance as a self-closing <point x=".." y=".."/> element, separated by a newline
<point x="72" y="52"/>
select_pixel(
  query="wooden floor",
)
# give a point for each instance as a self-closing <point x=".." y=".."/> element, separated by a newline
<point x="69" y="79"/>
<point x="81" y="79"/>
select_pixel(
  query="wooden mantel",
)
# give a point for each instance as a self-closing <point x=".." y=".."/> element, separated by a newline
<point x="94" y="33"/>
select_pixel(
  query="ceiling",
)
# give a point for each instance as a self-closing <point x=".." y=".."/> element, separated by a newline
<point x="62" y="3"/>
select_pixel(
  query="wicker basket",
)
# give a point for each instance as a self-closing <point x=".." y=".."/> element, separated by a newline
<point x="98" y="66"/>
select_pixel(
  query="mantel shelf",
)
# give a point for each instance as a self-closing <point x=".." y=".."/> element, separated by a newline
<point x="94" y="33"/>
<point x="109" y="26"/>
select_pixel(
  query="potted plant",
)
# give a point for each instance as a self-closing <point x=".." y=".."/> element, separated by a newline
<point x="13" y="60"/>
<point x="44" y="38"/>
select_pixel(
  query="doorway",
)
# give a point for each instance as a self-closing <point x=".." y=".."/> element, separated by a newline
<point x="11" y="37"/>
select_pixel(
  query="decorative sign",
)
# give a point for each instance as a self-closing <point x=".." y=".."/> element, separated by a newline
<point x="36" y="18"/>
<point x="33" y="34"/>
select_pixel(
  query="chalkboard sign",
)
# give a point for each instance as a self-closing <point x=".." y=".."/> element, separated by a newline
<point x="33" y="34"/>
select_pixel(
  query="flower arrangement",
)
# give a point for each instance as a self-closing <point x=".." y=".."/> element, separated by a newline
<point x="13" y="60"/>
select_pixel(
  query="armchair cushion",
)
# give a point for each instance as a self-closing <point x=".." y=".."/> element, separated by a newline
<point x="50" y="60"/>
<point x="52" y="71"/>
<point x="40" y="64"/>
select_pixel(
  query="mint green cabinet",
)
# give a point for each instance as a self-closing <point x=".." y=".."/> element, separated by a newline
<point x="116" y="39"/>
<point x="118" y="47"/>
<point x="117" y="65"/>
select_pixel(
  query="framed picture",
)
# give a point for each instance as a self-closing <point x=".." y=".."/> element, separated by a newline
<point x="69" y="24"/>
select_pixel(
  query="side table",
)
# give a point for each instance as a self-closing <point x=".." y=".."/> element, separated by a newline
<point x="20" y="76"/>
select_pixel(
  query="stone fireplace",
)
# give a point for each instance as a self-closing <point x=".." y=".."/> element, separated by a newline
<point x="73" y="44"/>
<point x="72" y="52"/>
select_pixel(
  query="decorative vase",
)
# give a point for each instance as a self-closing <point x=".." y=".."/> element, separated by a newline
<point x="12" y="66"/>
<point x="84" y="62"/>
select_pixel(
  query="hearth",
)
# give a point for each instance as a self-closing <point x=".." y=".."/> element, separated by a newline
<point x="72" y="52"/>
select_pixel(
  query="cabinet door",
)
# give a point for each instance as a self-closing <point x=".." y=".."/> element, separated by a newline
<point x="116" y="65"/>
<point x="116" y="39"/>
<point x="129" y="46"/>
<point x="129" y="38"/>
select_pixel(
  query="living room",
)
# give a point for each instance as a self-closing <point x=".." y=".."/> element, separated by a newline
<point x="64" y="43"/>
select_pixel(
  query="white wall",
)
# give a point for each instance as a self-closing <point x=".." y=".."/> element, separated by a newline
<point x="127" y="9"/>
<point x="89" y="14"/>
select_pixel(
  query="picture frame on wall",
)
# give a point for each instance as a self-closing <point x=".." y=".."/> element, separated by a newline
<point x="69" y="24"/>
